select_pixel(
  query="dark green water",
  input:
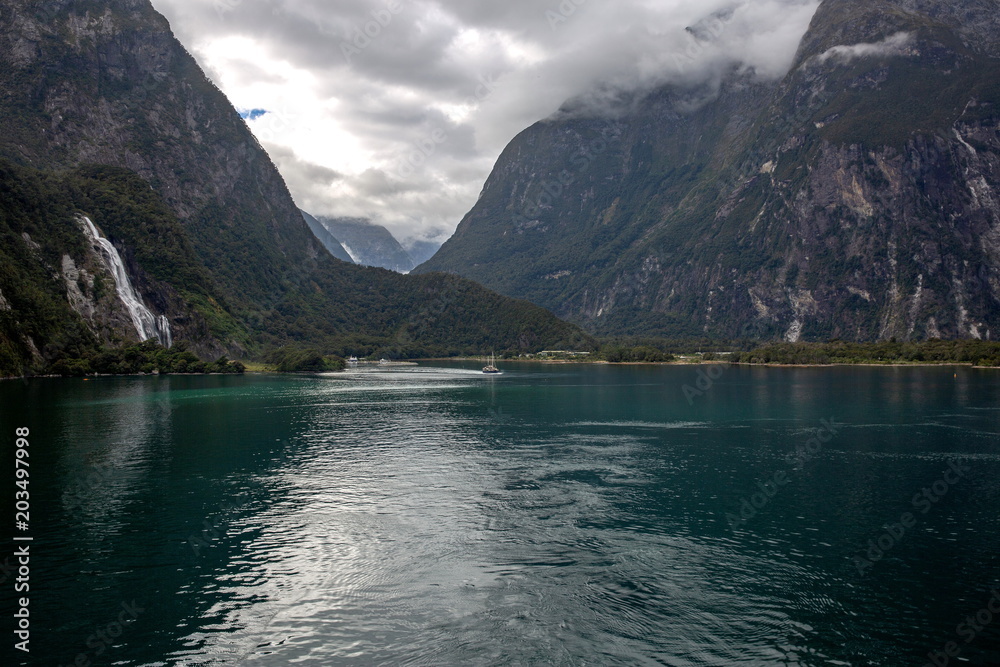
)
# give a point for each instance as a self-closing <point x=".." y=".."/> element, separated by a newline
<point x="567" y="515"/>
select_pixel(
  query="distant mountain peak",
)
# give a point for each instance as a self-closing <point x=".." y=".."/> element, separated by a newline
<point x="329" y="241"/>
<point x="369" y="244"/>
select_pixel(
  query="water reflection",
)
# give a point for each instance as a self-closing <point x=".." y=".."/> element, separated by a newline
<point x="106" y="457"/>
<point x="570" y="515"/>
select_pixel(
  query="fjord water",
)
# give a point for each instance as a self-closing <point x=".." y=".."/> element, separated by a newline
<point x="567" y="515"/>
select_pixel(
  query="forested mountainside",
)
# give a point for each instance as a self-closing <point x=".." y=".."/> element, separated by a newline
<point x="854" y="198"/>
<point x="105" y="117"/>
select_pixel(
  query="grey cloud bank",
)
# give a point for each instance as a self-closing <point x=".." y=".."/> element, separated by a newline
<point x="396" y="110"/>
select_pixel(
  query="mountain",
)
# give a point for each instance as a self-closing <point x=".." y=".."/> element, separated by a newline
<point x="369" y="244"/>
<point x="105" y="117"/>
<point x="422" y="250"/>
<point x="324" y="236"/>
<point x="857" y="197"/>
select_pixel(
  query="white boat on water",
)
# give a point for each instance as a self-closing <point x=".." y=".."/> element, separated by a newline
<point x="491" y="367"/>
<point x="352" y="360"/>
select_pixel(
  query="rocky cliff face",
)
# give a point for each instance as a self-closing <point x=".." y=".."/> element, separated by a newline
<point x="103" y="113"/>
<point x="107" y="83"/>
<point x="856" y="198"/>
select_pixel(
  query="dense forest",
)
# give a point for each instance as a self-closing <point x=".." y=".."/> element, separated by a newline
<point x="364" y="311"/>
<point x="146" y="358"/>
<point x="978" y="352"/>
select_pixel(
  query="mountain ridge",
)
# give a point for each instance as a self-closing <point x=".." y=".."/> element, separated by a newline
<point x="329" y="241"/>
<point x="854" y="198"/>
<point x="104" y="86"/>
<point x="369" y="244"/>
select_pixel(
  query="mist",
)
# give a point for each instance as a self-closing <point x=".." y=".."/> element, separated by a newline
<point x="396" y="110"/>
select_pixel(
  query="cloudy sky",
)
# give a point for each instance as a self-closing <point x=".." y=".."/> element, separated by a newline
<point x="396" y="110"/>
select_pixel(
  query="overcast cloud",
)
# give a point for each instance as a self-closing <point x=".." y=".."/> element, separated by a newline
<point x="403" y="124"/>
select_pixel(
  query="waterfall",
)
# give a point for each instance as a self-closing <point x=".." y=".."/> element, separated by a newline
<point x="146" y="324"/>
<point x="163" y="334"/>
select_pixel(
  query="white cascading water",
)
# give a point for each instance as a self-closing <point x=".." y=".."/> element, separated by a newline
<point x="146" y="324"/>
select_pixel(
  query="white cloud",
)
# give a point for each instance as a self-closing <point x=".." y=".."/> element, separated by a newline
<point x="895" y="45"/>
<point x="409" y="102"/>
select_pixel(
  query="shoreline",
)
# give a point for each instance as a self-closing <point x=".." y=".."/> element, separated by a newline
<point x="943" y="364"/>
<point x="259" y="371"/>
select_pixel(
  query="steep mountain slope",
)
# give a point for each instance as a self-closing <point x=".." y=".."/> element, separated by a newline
<point x="856" y="198"/>
<point x="61" y="292"/>
<point x="420" y="251"/>
<point x="102" y="82"/>
<point x="328" y="240"/>
<point x="369" y="244"/>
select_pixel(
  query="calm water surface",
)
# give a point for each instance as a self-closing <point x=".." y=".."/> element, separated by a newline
<point x="565" y="515"/>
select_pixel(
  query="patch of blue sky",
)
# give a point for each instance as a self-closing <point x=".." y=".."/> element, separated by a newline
<point x="252" y="114"/>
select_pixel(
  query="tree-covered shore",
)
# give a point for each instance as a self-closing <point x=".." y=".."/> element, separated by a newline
<point x="146" y="358"/>
<point x="152" y="358"/>
<point x="944" y="352"/>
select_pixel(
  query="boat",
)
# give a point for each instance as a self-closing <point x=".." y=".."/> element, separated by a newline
<point x="383" y="362"/>
<point x="352" y="360"/>
<point x="491" y="368"/>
